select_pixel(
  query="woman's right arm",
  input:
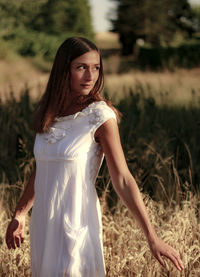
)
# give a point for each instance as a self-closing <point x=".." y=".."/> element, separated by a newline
<point x="15" y="230"/>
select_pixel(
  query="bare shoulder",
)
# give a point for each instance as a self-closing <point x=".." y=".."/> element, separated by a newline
<point x="107" y="135"/>
<point x="107" y="130"/>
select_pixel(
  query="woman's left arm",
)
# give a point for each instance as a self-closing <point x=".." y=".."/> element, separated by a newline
<point x="125" y="185"/>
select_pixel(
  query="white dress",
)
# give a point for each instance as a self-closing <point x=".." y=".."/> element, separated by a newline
<point x="66" y="227"/>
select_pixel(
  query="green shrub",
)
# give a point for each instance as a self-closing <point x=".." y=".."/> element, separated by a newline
<point x="30" y="43"/>
<point x="186" y="55"/>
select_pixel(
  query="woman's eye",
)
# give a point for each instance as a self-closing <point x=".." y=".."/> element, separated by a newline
<point x="83" y="67"/>
<point x="80" y="67"/>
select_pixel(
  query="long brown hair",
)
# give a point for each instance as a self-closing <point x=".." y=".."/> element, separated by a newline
<point x="56" y="98"/>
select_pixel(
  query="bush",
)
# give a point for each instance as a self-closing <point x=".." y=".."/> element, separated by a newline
<point x="186" y="55"/>
<point x="30" y="43"/>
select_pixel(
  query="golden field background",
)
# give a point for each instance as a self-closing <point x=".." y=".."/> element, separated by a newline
<point x="175" y="211"/>
<point x="178" y="87"/>
<point x="125" y="248"/>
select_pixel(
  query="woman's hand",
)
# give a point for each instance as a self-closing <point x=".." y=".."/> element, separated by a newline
<point x="15" y="232"/>
<point x="159" y="248"/>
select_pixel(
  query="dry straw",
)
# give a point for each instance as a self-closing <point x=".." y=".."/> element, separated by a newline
<point x="125" y="248"/>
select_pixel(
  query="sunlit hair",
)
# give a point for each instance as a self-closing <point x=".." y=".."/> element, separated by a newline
<point x="56" y="98"/>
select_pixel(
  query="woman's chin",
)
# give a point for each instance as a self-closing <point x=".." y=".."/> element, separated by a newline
<point x="81" y="92"/>
<point x="85" y="91"/>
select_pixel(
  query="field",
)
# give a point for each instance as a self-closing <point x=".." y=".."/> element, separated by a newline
<point x="125" y="249"/>
<point x="179" y="87"/>
<point x="171" y="88"/>
<point x="160" y="131"/>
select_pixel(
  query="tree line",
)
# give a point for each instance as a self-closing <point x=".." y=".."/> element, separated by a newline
<point x="38" y="26"/>
<point x="155" y="22"/>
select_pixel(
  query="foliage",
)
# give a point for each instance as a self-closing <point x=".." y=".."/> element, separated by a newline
<point x="38" y="27"/>
<point x="17" y="140"/>
<point x="57" y="17"/>
<point x="157" y="140"/>
<point x="196" y="15"/>
<point x="154" y="21"/>
<point x="160" y="141"/>
<point x="185" y="55"/>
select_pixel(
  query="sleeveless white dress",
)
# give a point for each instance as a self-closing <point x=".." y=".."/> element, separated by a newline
<point x="65" y="226"/>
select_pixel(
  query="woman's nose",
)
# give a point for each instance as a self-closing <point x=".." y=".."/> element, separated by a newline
<point x="88" y="74"/>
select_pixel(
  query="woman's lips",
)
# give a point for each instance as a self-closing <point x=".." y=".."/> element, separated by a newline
<point x="86" y="85"/>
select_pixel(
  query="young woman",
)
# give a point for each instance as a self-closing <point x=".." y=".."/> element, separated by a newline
<point x="75" y="127"/>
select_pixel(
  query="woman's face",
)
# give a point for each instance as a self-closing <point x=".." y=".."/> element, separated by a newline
<point x="84" y="73"/>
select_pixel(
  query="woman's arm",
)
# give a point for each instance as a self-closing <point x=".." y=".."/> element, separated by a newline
<point x="15" y="230"/>
<point x="124" y="183"/>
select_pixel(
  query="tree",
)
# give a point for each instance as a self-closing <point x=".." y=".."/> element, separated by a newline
<point x="196" y="17"/>
<point x="58" y="17"/>
<point x="15" y="14"/>
<point x="154" y="21"/>
<point x="129" y="23"/>
<point x="38" y="26"/>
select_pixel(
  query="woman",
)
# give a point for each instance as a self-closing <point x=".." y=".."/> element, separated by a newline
<point x="74" y="127"/>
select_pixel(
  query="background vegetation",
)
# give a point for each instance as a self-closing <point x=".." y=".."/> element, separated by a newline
<point x="154" y="142"/>
<point x="159" y="34"/>
<point x="37" y="27"/>
<point x="157" y="23"/>
<point x="160" y="127"/>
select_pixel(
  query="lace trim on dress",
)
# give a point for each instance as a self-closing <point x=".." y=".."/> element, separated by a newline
<point x="56" y="133"/>
<point x="87" y="110"/>
<point x="99" y="116"/>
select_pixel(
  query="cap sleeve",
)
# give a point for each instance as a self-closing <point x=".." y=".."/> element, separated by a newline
<point x="100" y="114"/>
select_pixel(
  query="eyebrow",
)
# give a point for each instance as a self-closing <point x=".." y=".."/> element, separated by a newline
<point x="87" y="64"/>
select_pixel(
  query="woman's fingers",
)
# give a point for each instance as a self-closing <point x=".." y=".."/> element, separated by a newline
<point x="178" y="262"/>
<point x="175" y="262"/>
<point x="174" y="257"/>
<point x="17" y="241"/>
<point x="160" y="248"/>
<point x="178" y="258"/>
<point x="14" y="234"/>
<point x="9" y="238"/>
<point x="159" y="258"/>
<point x="22" y="238"/>
<point x="10" y="242"/>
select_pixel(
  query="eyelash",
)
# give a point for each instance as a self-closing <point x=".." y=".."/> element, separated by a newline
<point x="83" y="67"/>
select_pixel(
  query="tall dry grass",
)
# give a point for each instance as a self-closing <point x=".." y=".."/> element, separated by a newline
<point x="126" y="251"/>
<point x="180" y="87"/>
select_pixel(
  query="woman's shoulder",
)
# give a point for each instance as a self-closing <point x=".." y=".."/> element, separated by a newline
<point x="99" y="112"/>
<point x="106" y="108"/>
<point x="102" y="107"/>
